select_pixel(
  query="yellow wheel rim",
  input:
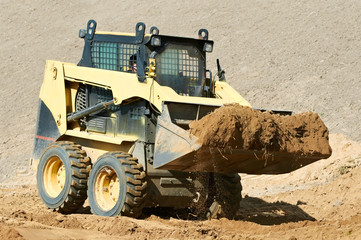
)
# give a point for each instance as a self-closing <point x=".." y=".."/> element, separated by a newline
<point x="106" y="188"/>
<point x="54" y="176"/>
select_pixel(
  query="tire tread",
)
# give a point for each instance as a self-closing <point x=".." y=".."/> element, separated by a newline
<point x="136" y="184"/>
<point x="80" y="168"/>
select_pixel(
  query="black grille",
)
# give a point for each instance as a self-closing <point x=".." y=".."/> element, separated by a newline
<point x="112" y="56"/>
<point x="80" y="100"/>
<point x="103" y="95"/>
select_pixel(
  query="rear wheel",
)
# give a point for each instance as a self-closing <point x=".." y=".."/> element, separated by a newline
<point x="226" y="190"/>
<point x="117" y="185"/>
<point x="62" y="176"/>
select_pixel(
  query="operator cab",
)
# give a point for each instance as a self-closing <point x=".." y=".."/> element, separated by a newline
<point x="175" y="62"/>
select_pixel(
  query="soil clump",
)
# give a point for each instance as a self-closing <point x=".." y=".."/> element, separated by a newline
<point x="9" y="233"/>
<point x="239" y="127"/>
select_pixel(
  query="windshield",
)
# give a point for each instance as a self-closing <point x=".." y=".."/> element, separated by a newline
<point x="181" y="67"/>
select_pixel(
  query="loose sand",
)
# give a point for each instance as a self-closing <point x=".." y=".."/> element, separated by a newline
<point x="238" y="127"/>
<point x="300" y="205"/>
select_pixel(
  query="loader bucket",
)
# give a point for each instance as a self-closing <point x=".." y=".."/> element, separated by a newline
<point x="177" y="149"/>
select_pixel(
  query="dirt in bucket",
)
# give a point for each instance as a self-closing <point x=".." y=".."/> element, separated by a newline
<point x="239" y="127"/>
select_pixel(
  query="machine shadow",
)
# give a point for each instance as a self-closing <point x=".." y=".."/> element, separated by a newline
<point x="271" y="213"/>
<point x="252" y="210"/>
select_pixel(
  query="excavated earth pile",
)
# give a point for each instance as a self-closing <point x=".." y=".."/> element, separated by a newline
<point x="239" y="127"/>
<point x="240" y="139"/>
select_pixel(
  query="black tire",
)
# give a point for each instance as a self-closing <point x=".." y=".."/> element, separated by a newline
<point x="228" y="193"/>
<point x="68" y="192"/>
<point x="106" y="200"/>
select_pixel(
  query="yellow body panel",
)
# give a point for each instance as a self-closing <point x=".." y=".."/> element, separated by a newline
<point x="118" y="33"/>
<point x="126" y="85"/>
<point x="227" y="93"/>
<point x="52" y="93"/>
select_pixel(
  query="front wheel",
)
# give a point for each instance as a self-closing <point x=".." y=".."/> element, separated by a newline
<point x="228" y="193"/>
<point x="117" y="185"/>
<point x="62" y="176"/>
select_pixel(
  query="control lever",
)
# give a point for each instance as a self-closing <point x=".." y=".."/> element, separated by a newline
<point x="220" y="72"/>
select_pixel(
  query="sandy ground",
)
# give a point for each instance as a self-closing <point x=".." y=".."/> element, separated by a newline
<point x="320" y="201"/>
<point x="280" y="54"/>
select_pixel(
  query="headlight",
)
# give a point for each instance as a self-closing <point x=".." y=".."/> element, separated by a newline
<point x="155" y="41"/>
<point x="208" y="47"/>
<point x="82" y="33"/>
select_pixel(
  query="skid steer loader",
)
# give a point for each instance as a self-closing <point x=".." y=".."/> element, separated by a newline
<point x="113" y="128"/>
